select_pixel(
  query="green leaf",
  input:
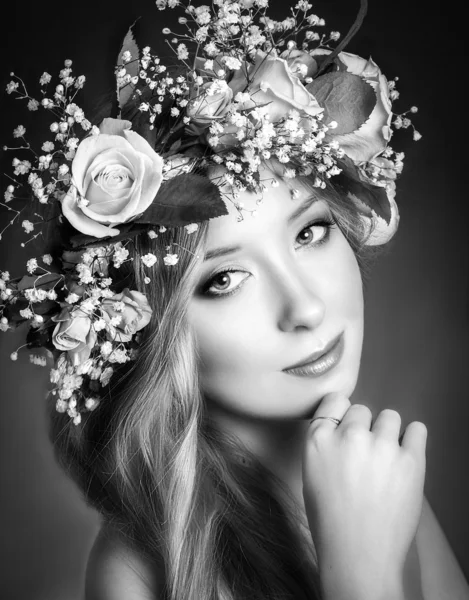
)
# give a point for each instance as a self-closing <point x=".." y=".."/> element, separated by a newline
<point x="346" y="98"/>
<point x="129" y="43"/>
<point x="127" y="231"/>
<point x="184" y="199"/>
<point x="174" y="146"/>
<point x="354" y="184"/>
<point x="39" y="338"/>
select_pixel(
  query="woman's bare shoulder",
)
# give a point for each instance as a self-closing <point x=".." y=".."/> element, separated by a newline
<point x="117" y="572"/>
<point x="442" y="576"/>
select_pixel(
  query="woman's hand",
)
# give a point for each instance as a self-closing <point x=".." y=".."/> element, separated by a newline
<point x="363" y="493"/>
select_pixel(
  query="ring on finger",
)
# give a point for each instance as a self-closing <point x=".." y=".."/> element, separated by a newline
<point x="333" y="419"/>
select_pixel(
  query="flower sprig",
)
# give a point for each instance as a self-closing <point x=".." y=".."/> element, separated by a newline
<point x="178" y="145"/>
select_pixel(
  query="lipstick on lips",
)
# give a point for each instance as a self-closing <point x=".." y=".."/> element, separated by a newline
<point x="321" y="361"/>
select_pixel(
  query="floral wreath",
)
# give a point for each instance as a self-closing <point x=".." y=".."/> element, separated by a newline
<point x="245" y="90"/>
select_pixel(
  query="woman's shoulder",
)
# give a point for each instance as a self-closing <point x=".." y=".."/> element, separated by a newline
<point x="442" y="576"/>
<point x="115" y="571"/>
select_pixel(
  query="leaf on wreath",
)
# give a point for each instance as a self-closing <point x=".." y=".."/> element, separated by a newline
<point x="184" y="199"/>
<point x="346" y="98"/>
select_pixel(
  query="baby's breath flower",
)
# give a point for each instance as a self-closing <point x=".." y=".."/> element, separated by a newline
<point x="33" y="104"/>
<point x="72" y="298"/>
<point x="19" y="131"/>
<point x="47" y="146"/>
<point x="191" y="227"/>
<point x="31" y="265"/>
<point x="119" y="355"/>
<point x="183" y="53"/>
<point x="27" y="226"/>
<point x="12" y="87"/>
<point x="99" y="325"/>
<point x="120" y="255"/>
<point x="106" y="375"/>
<point x="91" y="403"/>
<point x="106" y="349"/>
<point x="149" y="259"/>
<point x="80" y="82"/>
<point x="26" y="313"/>
<point x="170" y="259"/>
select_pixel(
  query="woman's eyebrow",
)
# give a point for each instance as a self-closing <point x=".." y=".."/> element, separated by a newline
<point x="303" y="207"/>
<point x="217" y="252"/>
<point x="224" y="250"/>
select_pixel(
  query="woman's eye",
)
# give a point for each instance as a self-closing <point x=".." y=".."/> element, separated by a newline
<point x="224" y="283"/>
<point x="323" y="229"/>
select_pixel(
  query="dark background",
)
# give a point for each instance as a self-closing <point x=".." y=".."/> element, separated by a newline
<point x="415" y="356"/>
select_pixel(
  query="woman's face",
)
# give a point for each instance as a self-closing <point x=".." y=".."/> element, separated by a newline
<point x="293" y="286"/>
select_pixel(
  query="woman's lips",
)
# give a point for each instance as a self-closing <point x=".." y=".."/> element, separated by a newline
<point x="326" y="360"/>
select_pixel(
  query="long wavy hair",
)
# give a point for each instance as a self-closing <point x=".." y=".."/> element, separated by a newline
<point x="181" y="492"/>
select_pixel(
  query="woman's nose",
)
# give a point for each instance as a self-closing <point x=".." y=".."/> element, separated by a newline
<point x="300" y="305"/>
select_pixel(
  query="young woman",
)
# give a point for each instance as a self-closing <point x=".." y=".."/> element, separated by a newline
<point x="213" y="476"/>
<point x="204" y="307"/>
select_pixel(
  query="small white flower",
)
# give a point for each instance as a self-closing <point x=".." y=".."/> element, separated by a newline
<point x="162" y="229"/>
<point x="72" y="298"/>
<point x="31" y="265"/>
<point x="170" y="259"/>
<point x="119" y="355"/>
<point x="27" y="226"/>
<point x="191" y="227"/>
<point x="80" y="82"/>
<point x="33" y="104"/>
<point x="106" y="349"/>
<point x="183" y="53"/>
<point x="91" y="403"/>
<point x="12" y="87"/>
<point x="232" y="63"/>
<point x="126" y="56"/>
<point x="37" y="360"/>
<point x="99" y="325"/>
<point x="149" y="259"/>
<point x="26" y="313"/>
<point x="152" y="234"/>
<point x="19" y="131"/>
<point x="14" y="356"/>
<point x="61" y="406"/>
<point x="47" y="146"/>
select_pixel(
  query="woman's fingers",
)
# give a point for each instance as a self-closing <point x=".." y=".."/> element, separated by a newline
<point x="357" y="416"/>
<point x="387" y="424"/>
<point x="334" y="404"/>
<point x="414" y="438"/>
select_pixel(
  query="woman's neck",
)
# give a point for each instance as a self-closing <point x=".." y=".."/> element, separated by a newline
<point x="278" y="444"/>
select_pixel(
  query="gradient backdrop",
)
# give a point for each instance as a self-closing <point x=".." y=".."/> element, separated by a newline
<point x="415" y="356"/>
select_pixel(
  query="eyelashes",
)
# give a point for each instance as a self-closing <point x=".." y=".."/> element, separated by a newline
<point x="326" y="223"/>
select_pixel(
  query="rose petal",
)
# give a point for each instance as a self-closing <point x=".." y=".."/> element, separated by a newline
<point x="104" y="204"/>
<point x="82" y="353"/>
<point x="75" y="216"/>
<point x="114" y="126"/>
<point x="90" y="148"/>
<point x="124" y="157"/>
